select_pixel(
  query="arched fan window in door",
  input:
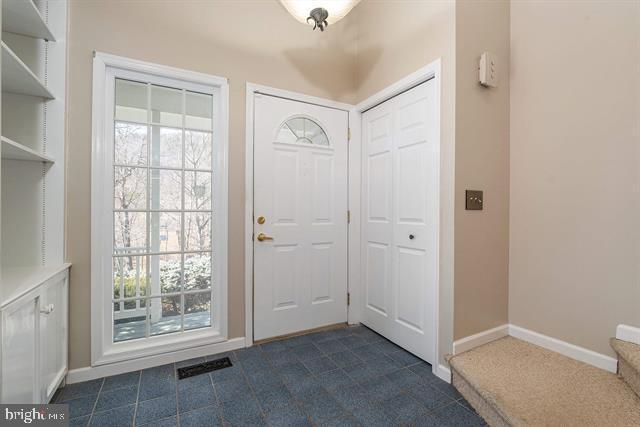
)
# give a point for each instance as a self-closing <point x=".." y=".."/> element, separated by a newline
<point x="302" y="130"/>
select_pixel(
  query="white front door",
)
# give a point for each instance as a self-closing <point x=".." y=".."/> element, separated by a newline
<point x="400" y="218"/>
<point x="300" y="216"/>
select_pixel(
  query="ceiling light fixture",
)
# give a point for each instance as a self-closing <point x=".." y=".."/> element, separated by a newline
<point x="320" y="13"/>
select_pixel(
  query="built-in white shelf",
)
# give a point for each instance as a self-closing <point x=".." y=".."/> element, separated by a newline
<point x="18" y="281"/>
<point x="18" y="78"/>
<point x="23" y="17"/>
<point x="15" y="151"/>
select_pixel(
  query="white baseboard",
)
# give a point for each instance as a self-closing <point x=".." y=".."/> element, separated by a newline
<point x="484" y="337"/>
<point x="442" y="372"/>
<point x="93" y="372"/>
<point x="570" y="350"/>
<point x="628" y="333"/>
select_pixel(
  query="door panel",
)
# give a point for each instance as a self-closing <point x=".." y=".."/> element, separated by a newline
<point x="321" y="272"/>
<point x="286" y="186"/>
<point x="410" y="290"/>
<point x="53" y="334"/>
<point x="380" y="187"/>
<point x="412" y="182"/>
<point x="300" y="187"/>
<point x="284" y="277"/>
<point x="19" y="353"/>
<point x="323" y="195"/>
<point x="377" y="279"/>
<point x="399" y="219"/>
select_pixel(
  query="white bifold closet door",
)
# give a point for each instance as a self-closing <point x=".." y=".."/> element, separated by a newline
<point x="400" y="219"/>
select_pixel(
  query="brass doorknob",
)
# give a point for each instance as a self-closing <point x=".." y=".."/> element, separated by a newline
<point x="262" y="237"/>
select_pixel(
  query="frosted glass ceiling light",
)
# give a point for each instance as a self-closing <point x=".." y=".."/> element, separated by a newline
<point x="319" y="12"/>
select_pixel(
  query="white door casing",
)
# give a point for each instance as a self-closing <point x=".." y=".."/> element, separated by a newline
<point x="400" y="154"/>
<point x="106" y="69"/>
<point x="300" y="277"/>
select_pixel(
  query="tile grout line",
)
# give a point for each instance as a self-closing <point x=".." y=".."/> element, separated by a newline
<point x="298" y="403"/>
<point x="96" y="402"/>
<point x="175" y="380"/>
<point x="250" y="384"/>
<point x="215" y="392"/>
<point x="394" y="365"/>
<point x="315" y="376"/>
<point x="135" y="410"/>
<point x="358" y="383"/>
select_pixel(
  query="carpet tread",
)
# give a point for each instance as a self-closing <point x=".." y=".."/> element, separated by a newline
<point x="629" y="362"/>
<point x="628" y="351"/>
<point x="529" y="385"/>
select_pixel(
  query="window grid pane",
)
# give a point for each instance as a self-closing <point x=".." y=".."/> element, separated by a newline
<point x="302" y="130"/>
<point x="177" y="262"/>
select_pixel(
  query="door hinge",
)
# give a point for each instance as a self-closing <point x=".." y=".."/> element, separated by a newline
<point x="348" y="298"/>
<point x="348" y="134"/>
<point x="348" y="217"/>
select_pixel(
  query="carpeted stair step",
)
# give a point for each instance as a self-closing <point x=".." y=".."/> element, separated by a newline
<point x="510" y="382"/>
<point x="628" y="362"/>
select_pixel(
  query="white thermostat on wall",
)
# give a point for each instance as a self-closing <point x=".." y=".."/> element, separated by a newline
<point x="488" y="70"/>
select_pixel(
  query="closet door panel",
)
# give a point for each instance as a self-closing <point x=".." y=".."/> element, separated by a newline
<point x="399" y="221"/>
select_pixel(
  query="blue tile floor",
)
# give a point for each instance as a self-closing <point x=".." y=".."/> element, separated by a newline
<point x="344" y="377"/>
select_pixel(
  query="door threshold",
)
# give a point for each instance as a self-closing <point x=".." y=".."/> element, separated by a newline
<point x="332" y="327"/>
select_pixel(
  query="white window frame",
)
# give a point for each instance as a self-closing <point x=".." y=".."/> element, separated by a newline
<point x="106" y="68"/>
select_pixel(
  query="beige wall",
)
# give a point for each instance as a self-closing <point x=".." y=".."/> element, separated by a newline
<point x="481" y="163"/>
<point x="392" y="40"/>
<point x="255" y="41"/>
<point x="575" y="175"/>
<point x="396" y="38"/>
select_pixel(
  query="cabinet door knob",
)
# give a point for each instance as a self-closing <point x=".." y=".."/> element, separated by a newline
<point x="411" y="237"/>
<point x="47" y="309"/>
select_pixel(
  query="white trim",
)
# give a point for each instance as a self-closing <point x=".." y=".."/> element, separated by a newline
<point x="90" y="373"/>
<point x="428" y="72"/>
<point x="248" y="216"/>
<point x="628" y="333"/>
<point x="296" y="96"/>
<point x="251" y="90"/>
<point x="354" y="310"/>
<point x="567" y="349"/>
<point x="432" y="70"/>
<point x="484" y="337"/>
<point x="442" y="372"/>
<point x="97" y="169"/>
<point x="123" y="63"/>
<point x="105" y="68"/>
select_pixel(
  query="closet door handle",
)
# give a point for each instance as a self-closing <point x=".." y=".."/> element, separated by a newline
<point x="48" y="309"/>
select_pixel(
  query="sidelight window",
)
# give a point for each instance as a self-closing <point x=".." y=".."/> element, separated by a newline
<point x="164" y="171"/>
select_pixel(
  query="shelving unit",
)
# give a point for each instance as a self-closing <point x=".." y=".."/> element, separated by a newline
<point x="33" y="272"/>
<point x="32" y="129"/>
<point x="12" y="150"/>
<point x="18" y="78"/>
<point x="23" y="17"/>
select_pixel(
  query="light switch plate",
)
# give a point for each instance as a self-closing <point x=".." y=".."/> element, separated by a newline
<point x="474" y="200"/>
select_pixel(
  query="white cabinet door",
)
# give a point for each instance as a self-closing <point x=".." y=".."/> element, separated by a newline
<point x="53" y="335"/>
<point x="19" y="353"/>
<point x="400" y="219"/>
